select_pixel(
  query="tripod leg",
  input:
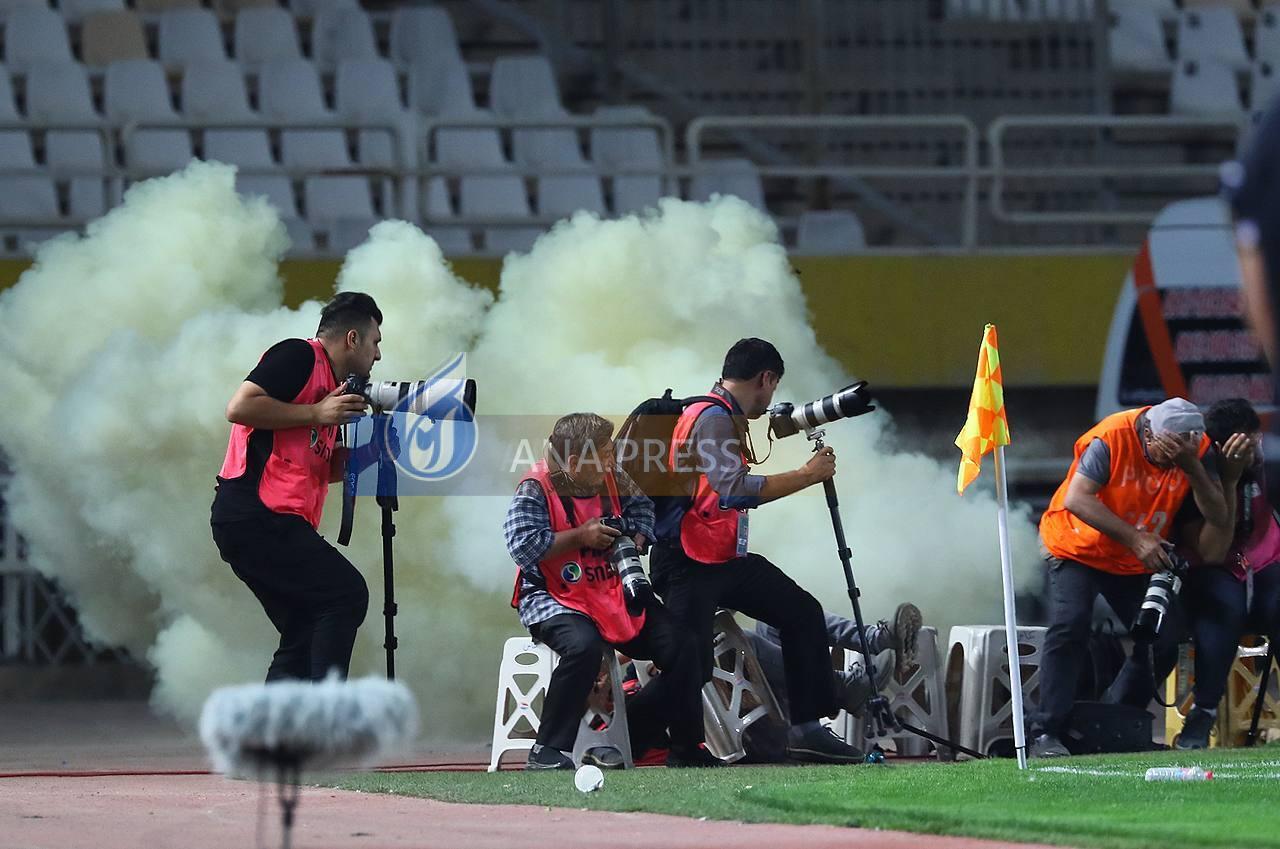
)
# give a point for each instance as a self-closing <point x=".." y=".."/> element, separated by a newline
<point x="1263" y="684"/>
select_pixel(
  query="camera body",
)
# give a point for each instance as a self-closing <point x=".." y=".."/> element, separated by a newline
<point x="625" y="558"/>
<point x="1162" y="589"/>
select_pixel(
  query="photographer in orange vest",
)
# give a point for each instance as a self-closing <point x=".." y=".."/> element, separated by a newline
<point x="1105" y="532"/>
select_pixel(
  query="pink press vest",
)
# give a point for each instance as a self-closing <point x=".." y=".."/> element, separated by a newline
<point x="296" y="476"/>
<point x="583" y="580"/>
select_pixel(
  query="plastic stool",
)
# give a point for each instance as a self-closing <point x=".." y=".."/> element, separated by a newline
<point x="1235" y="712"/>
<point x="525" y="656"/>
<point x="978" y="685"/>
<point x="737" y="694"/>
<point x="920" y="699"/>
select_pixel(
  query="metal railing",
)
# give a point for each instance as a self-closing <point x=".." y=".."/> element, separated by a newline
<point x="1001" y="173"/>
<point x="967" y="170"/>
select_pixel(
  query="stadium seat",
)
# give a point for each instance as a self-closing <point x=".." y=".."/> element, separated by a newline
<point x="136" y="91"/>
<point x="1059" y="10"/>
<point x="347" y="233"/>
<point x="74" y="11"/>
<point x="28" y="198"/>
<point x="422" y="32"/>
<point x="342" y="33"/>
<point x="366" y="92"/>
<point x="628" y="147"/>
<point x="77" y="157"/>
<point x="453" y="241"/>
<point x="563" y="195"/>
<point x="8" y="6"/>
<point x="737" y="177"/>
<point x="263" y="34"/>
<point x="190" y="35"/>
<point x="523" y="86"/>
<point x="248" y="149"/>
<point x="993" y="10"/>
<point x="8" y="107"/>
<point x="35" y="35"/>
<point x="278" y="190"/>
<point x="213" y="90"/>
<point x="157" y="7"/>
<point x="313" y="8"/>
<point x="15" y="150"/>
<point x="1137" y="37"/>
<point x="440" y="85"/>
<point x="1206" y="90"/>
<point x="1241" y="8"/>
<point x="832" y="232"/>
<point x="1212" y="34"/>
<point x="289" y="90"/>
<point x="329" y="199"/>
<point x="1264" y="83"/>
<point x="1266" y="35"/>
<point x="107" y="37"/>
<point x="486" y="196"/>
<point x="228" y="9"/>
<point x="301" y="238"/>
<point x="58" y="92"/>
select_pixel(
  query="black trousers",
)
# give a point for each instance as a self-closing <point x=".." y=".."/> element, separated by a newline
<point x="312" y="594"/>
<point x="754" y="586"/>
<point x="1073" y="588"/>
<point x="1219" y="618"/>
<point x="671" y="701"/>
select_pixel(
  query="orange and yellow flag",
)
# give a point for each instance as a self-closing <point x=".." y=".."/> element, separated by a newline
<point x="986" y="427"/>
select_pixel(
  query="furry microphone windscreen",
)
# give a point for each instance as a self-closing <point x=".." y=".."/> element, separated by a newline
<point x="253" y="727"/>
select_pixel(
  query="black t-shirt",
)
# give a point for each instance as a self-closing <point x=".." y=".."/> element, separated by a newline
<point x="283" y="371"/>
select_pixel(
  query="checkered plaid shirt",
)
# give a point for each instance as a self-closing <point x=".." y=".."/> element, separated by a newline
<point x="528" y="533"/>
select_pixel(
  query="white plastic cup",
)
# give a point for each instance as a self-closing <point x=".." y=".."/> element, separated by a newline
<point x="588" y="778"/>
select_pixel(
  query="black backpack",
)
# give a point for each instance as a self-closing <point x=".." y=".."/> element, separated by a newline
<point x="643" y="449"/>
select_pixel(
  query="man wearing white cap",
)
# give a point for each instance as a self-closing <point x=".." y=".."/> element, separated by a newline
<point x="1106" y="530"/>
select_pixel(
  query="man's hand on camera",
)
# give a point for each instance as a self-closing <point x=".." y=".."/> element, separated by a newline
<point x="596" y="534"/>
<point x="339" y="407"/>
<point x="821" y="466"/>
<point x="1150" y="549"/>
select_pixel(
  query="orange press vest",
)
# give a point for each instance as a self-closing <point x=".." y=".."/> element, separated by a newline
<point x="1140" y="493"/>
<point x="296" y="476"/>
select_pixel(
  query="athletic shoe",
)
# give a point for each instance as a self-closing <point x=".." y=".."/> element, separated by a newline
<point x="820" y="745"/>
<point x="852" y="684"/>
<point x="545" y="757"/>
<point x="605" y="757"/>
<point x="1048" y="746"/>
<point x="697" y="757"/>
<point x="1195" y="731"/>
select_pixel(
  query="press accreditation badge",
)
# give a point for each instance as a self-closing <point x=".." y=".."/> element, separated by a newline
<point x="743" y="522"/>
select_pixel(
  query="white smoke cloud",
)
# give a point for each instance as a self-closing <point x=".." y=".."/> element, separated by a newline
<point x="124" y="346"/>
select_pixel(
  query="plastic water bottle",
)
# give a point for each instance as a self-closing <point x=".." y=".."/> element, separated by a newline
<point x="1178" y="773"/>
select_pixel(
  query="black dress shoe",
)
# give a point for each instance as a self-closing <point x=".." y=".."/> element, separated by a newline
<point x="1048" y="746"/>
<point x="545" y="757"/>
<point x="695" y="757"/>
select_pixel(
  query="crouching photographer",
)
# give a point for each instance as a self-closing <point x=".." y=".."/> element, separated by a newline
<point x="1237" y="590"/>
<point x="1106" y="532"/>
<point x="581" y="586"/>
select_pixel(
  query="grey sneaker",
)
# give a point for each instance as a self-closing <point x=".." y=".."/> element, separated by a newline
<point x="1048" y="746"/>
<point x="821" y="745"/>
<point x="852" y="685"/>
<point x="902" y="636"/>
<point x="1195" y="731"/>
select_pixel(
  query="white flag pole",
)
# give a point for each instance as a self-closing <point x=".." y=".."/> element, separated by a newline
<point x="1010" y="616"/>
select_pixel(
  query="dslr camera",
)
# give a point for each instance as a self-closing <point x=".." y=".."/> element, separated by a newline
<point x="1162" y="589"/>
<point x="787" y="419"/>
<point x="411" y="396"/>
<point x="623" y="556"/>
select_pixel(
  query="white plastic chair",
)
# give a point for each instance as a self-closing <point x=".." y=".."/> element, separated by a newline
<point x="422" y="32"/>
<point x="737" y="177"/>
<point x="263" y="34"/>
<point x="35" y="35"/>
<point x="342" y="33"/>
<point x="1205" y="89"/>
<point x="190" y="35"/>
<point x="213" y="90"/>
<point x="1136" y="37"/>
<point x="1212" y="34"/>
